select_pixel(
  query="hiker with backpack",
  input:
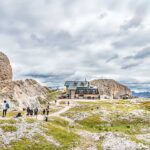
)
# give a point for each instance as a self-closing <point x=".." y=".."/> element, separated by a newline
<point x="5" y="108"/>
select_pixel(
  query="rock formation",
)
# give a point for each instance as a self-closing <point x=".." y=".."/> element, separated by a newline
<point x="21" y="93"/>
<point x="5" y="68"/>
<point x="109" y="88"/>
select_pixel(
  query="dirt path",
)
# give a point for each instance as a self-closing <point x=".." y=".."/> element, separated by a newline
<point x="58" y="113"/>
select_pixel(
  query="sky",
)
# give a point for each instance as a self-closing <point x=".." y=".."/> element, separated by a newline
<point x="57" y="40"/>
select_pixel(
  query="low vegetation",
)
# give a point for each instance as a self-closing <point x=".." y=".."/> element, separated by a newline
<point x="8" y="128"/>
<point x="63" y="135"/>
<point x="76" y="127"/>
<point x="53" y="95"/>
<point x="37" y="143"/>
<point x="8" y="121"/>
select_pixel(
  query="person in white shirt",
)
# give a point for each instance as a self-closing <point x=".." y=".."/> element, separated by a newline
<point x="5" y="108"/>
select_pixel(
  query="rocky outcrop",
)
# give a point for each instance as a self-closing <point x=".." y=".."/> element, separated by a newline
<point x="109" y="88"/>
<point x="5" y="68"/>
<point x="20" y="93"/>
<point x="28" y="93"/>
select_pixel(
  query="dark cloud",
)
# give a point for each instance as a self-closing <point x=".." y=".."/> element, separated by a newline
<point x="112" y="58"/>
<point x="133" y="23"/>
<point x="128" y="66"/>
<point x="144" y="53"/>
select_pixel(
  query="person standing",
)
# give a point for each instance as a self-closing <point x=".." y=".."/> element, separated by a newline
<point x="31" y="112"/>
<point x="36" y="112"/>
<point x="5" y="108"/>
<point x="44" y="111"/>
<point x="28" y="111"/>
<point x="68" y="103"/>
<point x="47" y="110"/>
<point x="55" y="102"/>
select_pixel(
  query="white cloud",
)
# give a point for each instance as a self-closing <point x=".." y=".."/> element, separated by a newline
<point x="53" y="41"/>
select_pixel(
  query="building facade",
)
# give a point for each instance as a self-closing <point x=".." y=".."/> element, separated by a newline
<point x="81" y="90"/>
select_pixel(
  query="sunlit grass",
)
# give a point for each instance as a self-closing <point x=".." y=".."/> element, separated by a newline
<point x="8" y="128"/>
<point x="8" y="121"/>
<point x="66" y="138"/>
<point x="37" y="143"/>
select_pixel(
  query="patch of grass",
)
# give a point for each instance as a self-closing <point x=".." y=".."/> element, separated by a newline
<point x="11" y="114"/>
<point x="91" y="123"/>
<point x="145" y="105"/>
<point x="66" y="138"/>
<point x="99" y="144"/>
<point x="59" y="121"/>
<point x="10" y="121"/>
<point x="53" y="95"/>
<point x="8" y="128"/>
<point x="37" y="143"/>
<point x="133" y="138"/>
<point x="30" y="120"/>
<point x="62" y="102"/>
<point x="94" y="124"/>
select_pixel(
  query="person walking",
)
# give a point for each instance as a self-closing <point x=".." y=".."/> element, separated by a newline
<point x="55" y="102"/>
<point x="5" y="108"/>
<point x="68" y="103"/>
<point x="36" y="112"/>
<point x="44" y="111"/>
<point x="47" y="110"/>
<point x="28" y="111"/>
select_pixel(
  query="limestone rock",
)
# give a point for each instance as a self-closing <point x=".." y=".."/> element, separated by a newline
<point x="22" y="93"/>
<point x="5" y="68"/>
<point x="29" y="93"/>
<point x="110" y="88"/>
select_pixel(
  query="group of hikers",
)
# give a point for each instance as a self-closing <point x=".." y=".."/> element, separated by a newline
<point x="29" y="111"/>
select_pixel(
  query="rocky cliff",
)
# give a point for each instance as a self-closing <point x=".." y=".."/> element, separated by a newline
<point x="20" y="93"/>
<point x="111" y="89"/>
<point x="5" y="68"/>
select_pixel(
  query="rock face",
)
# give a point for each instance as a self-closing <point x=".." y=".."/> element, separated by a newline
<point x="20" y="93"/>
<point x="28" y="93"/>
<point x="109" y="88"/>
<point x="5" y="68"/>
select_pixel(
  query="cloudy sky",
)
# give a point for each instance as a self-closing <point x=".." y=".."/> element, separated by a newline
<point x="57" y="40"/>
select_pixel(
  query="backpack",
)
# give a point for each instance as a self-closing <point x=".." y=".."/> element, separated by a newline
<point x="7" y="106"/>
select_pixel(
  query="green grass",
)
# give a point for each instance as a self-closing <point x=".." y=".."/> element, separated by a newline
<point x="91" y="123"/>
<point x="62" y="102"/>
<point x="8" y="128"/>
<point x="94" y="124"/>
<point x="30" y="120"/>
<point x="99" y="144"/>
<point x="145" y="105"/>
<point x="53" y="95"/>
<point x="66" y="138"/>
<point x="37" y="143"/>
<point x="13" y="113"/>
<point x="59" y="122"/>
<point x="9" y="121"/>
